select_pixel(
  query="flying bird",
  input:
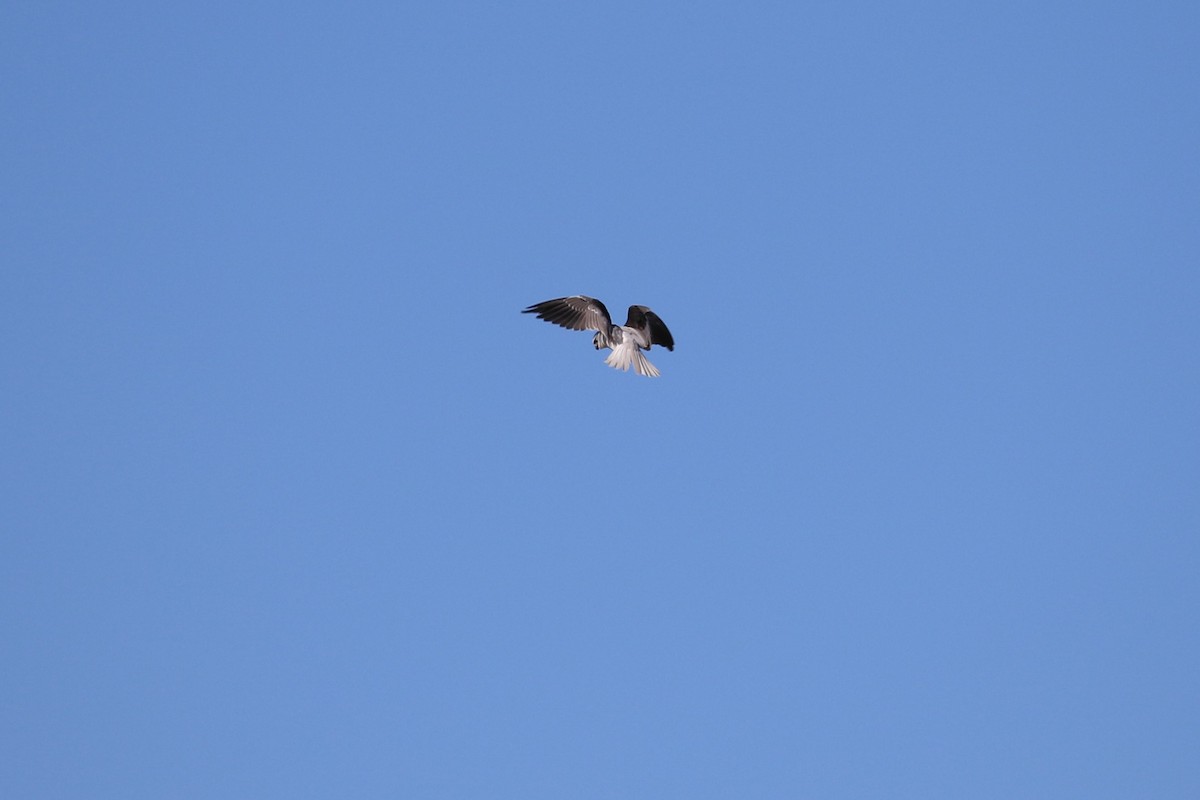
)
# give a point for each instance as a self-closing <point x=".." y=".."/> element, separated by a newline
<point x="641" y="330"/>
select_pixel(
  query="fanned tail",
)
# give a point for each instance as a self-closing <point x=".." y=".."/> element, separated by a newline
<point x="643" y="365"/>
<point x="628" y="354"/>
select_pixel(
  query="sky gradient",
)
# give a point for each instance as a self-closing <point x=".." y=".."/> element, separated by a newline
<point x="296" y="503"/>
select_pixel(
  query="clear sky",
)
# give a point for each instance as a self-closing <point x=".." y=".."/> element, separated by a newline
<point x="296" y="503"/>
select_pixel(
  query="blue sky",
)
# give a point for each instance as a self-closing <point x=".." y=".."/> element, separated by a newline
<point x="297" y="504"/>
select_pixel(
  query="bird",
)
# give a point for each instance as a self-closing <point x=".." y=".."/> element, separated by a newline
<point x="642" y="329"/>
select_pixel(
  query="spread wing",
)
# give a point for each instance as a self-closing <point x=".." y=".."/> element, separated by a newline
<point x="653" y="328"/>
<point x="577" y="313"/>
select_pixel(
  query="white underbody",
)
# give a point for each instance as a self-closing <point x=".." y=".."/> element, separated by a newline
<point x="627" y="345"/>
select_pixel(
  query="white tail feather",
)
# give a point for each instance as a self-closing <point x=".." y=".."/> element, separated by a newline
<point x="620" y="357"/>
<point x="627" y="354"/>
<point x="643" y="365"/>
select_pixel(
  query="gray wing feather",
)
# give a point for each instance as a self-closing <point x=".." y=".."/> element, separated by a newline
<point x="577" y="313"/>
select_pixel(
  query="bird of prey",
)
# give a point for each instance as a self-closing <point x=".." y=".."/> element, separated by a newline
<point x="642" y="329"/>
